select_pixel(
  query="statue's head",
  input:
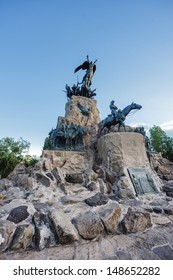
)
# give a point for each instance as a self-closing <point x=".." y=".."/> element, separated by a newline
<point x="112" y="102"/>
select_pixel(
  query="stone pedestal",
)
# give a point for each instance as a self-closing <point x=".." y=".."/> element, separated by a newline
<point x="123" y="150"/>
<point x="83" y="111"/>
<point x="119" y="150"/>
<point x="74" y="114"/>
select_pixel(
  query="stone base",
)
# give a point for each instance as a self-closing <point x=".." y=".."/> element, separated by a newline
<point x="123" y="150"/>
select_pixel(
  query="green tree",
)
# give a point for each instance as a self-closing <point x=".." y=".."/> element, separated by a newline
<point x="11" y="153"/>
<point x="29" y="160"/>
<point x="168" y="153"/>
<point x="47" y="143"/>
<point x="161" y="143"/>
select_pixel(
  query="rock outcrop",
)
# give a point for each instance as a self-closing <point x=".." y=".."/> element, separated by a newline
<point x="162" y="166"/>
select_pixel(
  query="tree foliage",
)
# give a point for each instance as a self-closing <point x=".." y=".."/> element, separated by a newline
<point x="11" y="153"/>
<point x="47" y="143"/>
<point x="29" y="160"/>
<point x="161" y="143"/>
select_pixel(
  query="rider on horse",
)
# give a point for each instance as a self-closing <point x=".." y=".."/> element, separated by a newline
<point x="113" y="108"/>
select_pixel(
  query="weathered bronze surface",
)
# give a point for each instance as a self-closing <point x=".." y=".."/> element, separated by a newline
<point x="118" y="117"/>
<point x="142" y="181"/>
<point x="67" y="136"/>
<point x="85" y="88"/>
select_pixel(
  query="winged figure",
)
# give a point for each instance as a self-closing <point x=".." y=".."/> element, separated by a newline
<point x="90" y="68"/>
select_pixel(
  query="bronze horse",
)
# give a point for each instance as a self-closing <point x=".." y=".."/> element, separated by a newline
<point x="119" y="118"/>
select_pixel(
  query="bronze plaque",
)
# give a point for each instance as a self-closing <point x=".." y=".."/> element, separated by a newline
<point x="142" y="181"/>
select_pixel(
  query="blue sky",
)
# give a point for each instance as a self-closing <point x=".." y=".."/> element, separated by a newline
<point x="43" y="41"/>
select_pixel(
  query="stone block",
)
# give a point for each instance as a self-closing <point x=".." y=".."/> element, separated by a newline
<point x="97" y="199"/>
<point x="136" y="221"/>
<point x="22" y="238"/>
<point x="43" y="179"/>
<point x="88" y="225"/>
<point x="74" y="178"/>
<point x="65" y="231"/>
<point x="7" y="230"/>
<point x="110" y="214"/>
<point x="18" y="214"/>
<point x="44" y="237"/>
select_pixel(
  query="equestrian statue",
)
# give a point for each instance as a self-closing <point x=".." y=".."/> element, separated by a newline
<point x="118" y="116"/>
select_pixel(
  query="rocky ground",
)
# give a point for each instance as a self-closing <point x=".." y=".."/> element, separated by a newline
<point x="154" y="244"/>
<point x="62" y="209"/>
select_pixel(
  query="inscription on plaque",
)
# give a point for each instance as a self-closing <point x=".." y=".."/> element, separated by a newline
<point x="142" y="181"/>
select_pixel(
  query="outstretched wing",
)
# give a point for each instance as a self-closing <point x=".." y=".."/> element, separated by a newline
<point x="83" y="66"/>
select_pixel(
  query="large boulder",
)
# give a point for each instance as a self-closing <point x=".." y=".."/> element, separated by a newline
<point x="22" y="238"/>
<point x="7" y="230"/>
<point x="74" y="178"/>
<point x="75" y="163"/>
<point x="88" y="225"/>
<point x="18" y="211"/>
<point x="168" y="188"/>
<point x="44" y="237"/>
<point x="18" y="214"/>
<point x="136" y="221"/>
<point x="43" y="179"/>
<point x="58" y="174"/>
<point x="124" y="189"/>
<point x="97" y="199"/>
<point x="110" y="214"/>
<point x="64" y="229"/>
<point x="47" y="164"/>
<point x="162" y="166"/>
